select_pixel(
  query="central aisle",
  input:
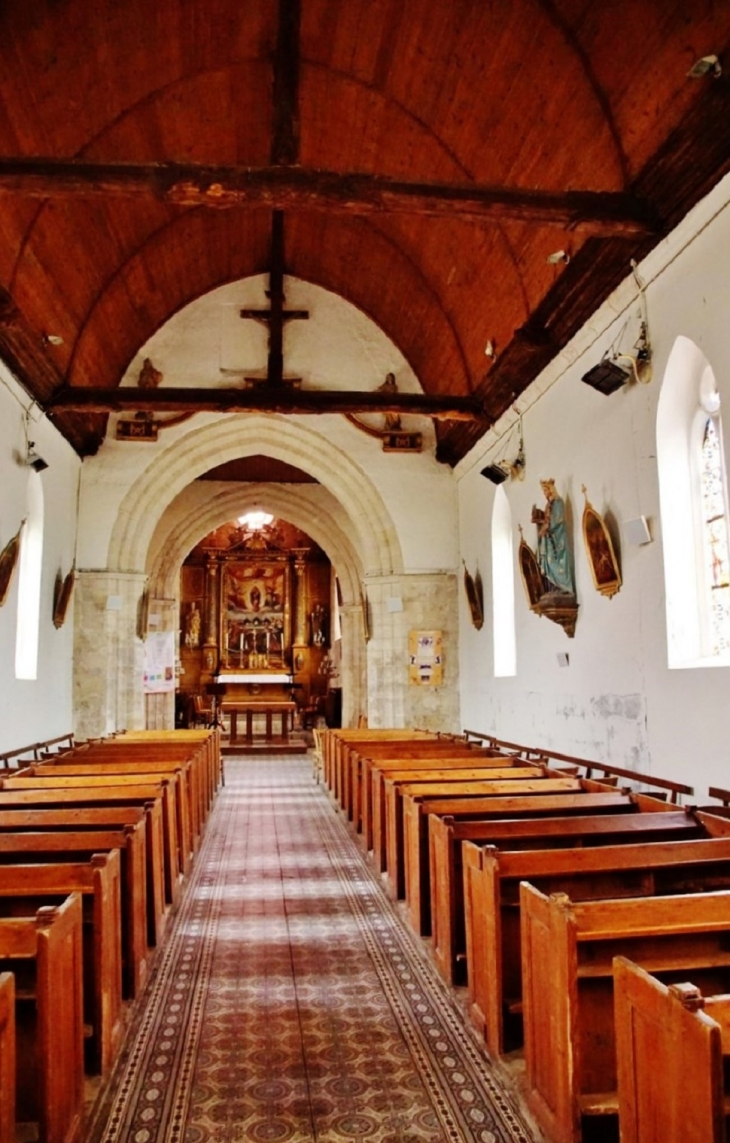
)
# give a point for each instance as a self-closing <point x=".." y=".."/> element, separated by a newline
<point x="290" y="1002"/>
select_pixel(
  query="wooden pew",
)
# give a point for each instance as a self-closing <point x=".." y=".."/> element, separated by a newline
<point x="672" y="1047"/>
<point x="406" y="826"/>
<point x="656" y="786"/>
<point x="208" y="741"/>
<point x="645" y="819"/>
<point x="98" y="883"/>
<point x="80" y="846"/>
<point x="375" y="771"/>
<point x="335" y="742"/>
<point x="8" y="1076"/>
<point x="414" y="859"/>
<point x="44" y="951"/>
<point x="174" y="802"/>
<point x="94" y="818"/>
<point x="567" y="963"/>
<point x="188" y="821"/>
<point x="126" y="795"/>
<point x="359" y="765"/>
<point x="587" y="873"/>
<point x="188" y="762"/>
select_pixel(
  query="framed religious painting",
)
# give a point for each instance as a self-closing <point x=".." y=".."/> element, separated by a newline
<point x="255" y="614"/>
<point x="599" y="547"/>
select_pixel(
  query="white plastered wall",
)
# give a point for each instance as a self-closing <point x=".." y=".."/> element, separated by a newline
<point x="380" y="517"/>
<point x="34" y="710"/>
<point x="616" y="700"/>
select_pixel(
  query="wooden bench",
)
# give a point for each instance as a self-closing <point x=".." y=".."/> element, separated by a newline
<point x="587" y="873"/>
<point x="567" y="963"/>
<point x="98" y="883"/>
<point x="417" y="810"/>
<point x="80" y="846"/>
<point x="357" y="778"/>
<point x="44" y="952"/>
<point x="657" y="786"/>
<point x="335" y="743"/>
<point x="376" y="770"/>
<point x="208" y="742"/>
<point x="672" y="1048"/>
<point x="190" y="764"/>
<point x="644" y="819"/>
<point x="188" y="825"/>
<point x="125" y="795"/>
<point x="8" y="1070"/>
<point x="12" y="759"/>
<point x="94" y="818"/>
<point x="406" y="825"/>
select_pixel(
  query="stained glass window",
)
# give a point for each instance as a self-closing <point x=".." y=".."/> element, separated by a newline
<point x="715" y="532"/>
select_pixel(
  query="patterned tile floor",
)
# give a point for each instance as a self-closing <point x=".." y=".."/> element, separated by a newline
<point x="290" y="1002"/>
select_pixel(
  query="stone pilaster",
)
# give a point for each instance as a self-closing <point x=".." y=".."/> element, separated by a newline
<point x="108" y="655"/>
<point x="398" y="605"/>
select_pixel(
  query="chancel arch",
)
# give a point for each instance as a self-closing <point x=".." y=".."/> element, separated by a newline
<point x="204" y="506"/>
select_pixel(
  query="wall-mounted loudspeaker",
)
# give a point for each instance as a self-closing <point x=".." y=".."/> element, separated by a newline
<point x="495" y="473"/>
<point x="606" y="377"/>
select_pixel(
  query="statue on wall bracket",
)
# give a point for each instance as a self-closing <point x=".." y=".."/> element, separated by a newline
<point x="547" y="574"/>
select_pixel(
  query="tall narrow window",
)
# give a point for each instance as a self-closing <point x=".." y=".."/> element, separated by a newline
<point x="503" y="587"/>
<point x="29" y="582"/>
<point x="694" y="511"/>
<point x="715" y="538"/>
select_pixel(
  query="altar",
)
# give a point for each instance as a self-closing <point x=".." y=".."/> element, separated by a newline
<point x="245" y="686"/>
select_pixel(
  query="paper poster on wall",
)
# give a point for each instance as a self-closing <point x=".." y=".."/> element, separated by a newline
<point x="426" y="662"/>
<point x="159" y="663"/>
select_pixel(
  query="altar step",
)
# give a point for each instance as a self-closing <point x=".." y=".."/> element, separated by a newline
<point x="295" y="744"/>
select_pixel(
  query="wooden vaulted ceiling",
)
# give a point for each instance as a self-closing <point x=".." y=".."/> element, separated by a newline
<point x="427" y="155"/>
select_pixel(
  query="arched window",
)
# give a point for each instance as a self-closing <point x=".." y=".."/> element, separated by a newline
<point x="694" y="515"/>
<point x="714" y="522"/>
<point x="29" y="582"/>
<point x="503" y="587"/>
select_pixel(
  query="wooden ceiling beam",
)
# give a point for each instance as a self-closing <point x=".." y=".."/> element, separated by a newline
<point x="264" y="399"/>
<point x="280" y="187"/>
<point x="285" y="119"/>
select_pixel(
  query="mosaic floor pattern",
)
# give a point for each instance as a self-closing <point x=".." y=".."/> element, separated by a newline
<point x="290" y="1002"/>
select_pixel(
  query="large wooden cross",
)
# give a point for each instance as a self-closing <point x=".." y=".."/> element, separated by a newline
<point x="275" y="316"/>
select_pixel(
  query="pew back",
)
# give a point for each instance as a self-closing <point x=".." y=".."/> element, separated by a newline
<point x="665" y="1035"/>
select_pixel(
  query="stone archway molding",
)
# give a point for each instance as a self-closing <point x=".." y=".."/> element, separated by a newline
<point x="372" y="531"/>
<point x="189" y="518"/>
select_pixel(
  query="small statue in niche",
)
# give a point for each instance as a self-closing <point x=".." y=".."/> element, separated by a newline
<point x="192" y="627"/>
<point x="318" y="620"/>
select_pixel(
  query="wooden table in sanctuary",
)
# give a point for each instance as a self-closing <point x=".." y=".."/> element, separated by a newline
<point x="265" y="709"/>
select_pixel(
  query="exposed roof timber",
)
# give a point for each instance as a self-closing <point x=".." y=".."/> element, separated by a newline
<point x="288" y="188"/>
<point x="285" y="123"/>
<point x="265" y="399"/>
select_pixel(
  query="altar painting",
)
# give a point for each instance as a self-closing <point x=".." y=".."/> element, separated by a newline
<point x="255" y="615"/>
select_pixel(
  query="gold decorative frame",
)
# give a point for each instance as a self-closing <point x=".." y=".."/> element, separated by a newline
<point x="255" y="612"/>
<point x="8" y="560"/>
<point x="475" y="596"/>
<point x="599" y="547"/>
<point x="62" y="593"/>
